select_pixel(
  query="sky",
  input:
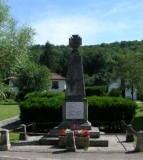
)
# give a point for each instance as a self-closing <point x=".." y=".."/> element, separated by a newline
<point x="95" y="21"/>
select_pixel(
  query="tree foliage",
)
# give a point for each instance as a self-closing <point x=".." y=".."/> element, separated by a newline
<point x="100" y="62"/>
<point x="33" y="78"/>
<point x="14" y="42"/>
<point x="130" y="69"/>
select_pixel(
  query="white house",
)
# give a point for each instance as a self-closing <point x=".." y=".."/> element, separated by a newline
<point x="128" y="92"/>
<point x="58" y="82"/>
<point x="12" y="84"/>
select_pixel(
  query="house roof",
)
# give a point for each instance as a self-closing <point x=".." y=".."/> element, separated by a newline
<point x="55" y="76"/>
<point x="12" y="77"/>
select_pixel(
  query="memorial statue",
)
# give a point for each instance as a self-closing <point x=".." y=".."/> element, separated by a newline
<point x="74" y="42"/>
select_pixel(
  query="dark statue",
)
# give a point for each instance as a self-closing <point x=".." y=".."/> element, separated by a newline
<point x="74" y="42"/>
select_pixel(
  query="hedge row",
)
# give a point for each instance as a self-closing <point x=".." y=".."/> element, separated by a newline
<point x="43" y="109"/>
<point x="111" y="109"/>
<point x="96" y="90"/>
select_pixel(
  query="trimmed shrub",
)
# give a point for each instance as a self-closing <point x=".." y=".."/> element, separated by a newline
<point x="46" y="94"/>
<point x="111" y="109"/>
<point x="47" y="107"/>
<point x="95" y="90"/>
<point x="42" y="109"/>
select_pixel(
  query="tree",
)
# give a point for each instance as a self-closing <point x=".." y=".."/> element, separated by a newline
<point x="33" y="78"/>
<point x="54" y="58"/>
<point x="130" y="69"/>
<point x="14" y="43"/>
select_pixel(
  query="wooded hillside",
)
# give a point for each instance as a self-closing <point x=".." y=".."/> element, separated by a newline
<point x="101" y="63"/>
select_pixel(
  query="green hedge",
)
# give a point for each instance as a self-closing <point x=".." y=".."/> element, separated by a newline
<point x="95" y="90"/>
<point x="46" y="94"/>
<point x="111" y="109"/>
<point x="49" y="109"/>
<point x="42" y="109"/>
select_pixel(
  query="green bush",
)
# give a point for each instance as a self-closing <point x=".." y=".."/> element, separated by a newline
<point x="111" y="109"/>
<point x="115" y="92"/>
<point x="47" y="107"/>
<point x="46" y="94"/>
<point x="8" y="93"/>
<point x="42" y="109"/>
<point x="95" y="90"/>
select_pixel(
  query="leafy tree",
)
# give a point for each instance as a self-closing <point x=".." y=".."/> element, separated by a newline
<point x="130" y="69"/>
<point x="99" y="61"/>
<point x="14" y="42"/>
<point x="55" y="58"/>
<point x="45" y="56"/>
<point x="33" y="78"/>
<point x="35" y="53"/>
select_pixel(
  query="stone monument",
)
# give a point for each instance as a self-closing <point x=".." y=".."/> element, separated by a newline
<point x="75" y="106"/>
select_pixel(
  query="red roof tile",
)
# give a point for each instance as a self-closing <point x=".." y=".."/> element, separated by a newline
<point x="55" y="76"/>
<point x="12" y="77"/>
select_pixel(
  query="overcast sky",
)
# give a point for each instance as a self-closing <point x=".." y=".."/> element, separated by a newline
<point x="95" y="21"/>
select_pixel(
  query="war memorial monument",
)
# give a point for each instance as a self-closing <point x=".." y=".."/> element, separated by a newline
<point x="75" y="104"/>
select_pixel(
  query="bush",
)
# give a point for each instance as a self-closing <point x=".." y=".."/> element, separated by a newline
<point x="8" y="93"/>
<point x="96" y="90"/>
<point x="47" y="107"/>
<point x="115" y="92"/>
<point x="42" y="108"/>
<point x="33" y="78"/>
<point x="111" y="109"/>
<point x="46" y="94"/>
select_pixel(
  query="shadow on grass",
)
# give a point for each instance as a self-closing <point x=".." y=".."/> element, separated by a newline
<point x="138" y="123"/>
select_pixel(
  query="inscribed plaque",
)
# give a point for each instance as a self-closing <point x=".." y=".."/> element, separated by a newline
<point x="74" y="110"/>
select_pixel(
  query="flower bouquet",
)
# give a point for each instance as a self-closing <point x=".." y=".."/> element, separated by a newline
<point x="81" y="136"/>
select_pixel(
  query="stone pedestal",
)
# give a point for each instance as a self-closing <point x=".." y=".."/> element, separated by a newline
<point x="4" y="140"/>
<point x="70" y="142"/>
<point x="23" y="134"/>
<point x="75" y="112"/>
<point x="139" y="145"/>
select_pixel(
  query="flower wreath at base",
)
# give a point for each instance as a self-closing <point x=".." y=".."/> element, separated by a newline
<point x="77" y="131"/>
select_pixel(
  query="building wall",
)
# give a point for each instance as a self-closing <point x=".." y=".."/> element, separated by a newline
<point x="14" y="88"/>
<point x="128" y="93"/>
<point x="61" y="84"/>
<point x="112" y="85"/>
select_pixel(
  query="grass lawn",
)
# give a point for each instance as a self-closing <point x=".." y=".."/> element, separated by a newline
<point x="8" y="111"/>
<point x="137" y="121"/>
<point x="14" y="137"/>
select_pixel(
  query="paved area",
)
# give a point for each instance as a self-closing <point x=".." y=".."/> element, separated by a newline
<point x="116" y="144"/>
<point x="10" y="123"/>
<point x="118" y="149"/>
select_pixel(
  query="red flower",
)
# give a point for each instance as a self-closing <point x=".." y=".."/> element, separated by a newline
<point x="62" y="131"/>
<point x="85" y="133"/>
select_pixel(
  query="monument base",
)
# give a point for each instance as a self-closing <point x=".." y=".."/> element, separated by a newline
<point x="52" y="138"/>
<point x="94" y="132"/>
<point x="81" y="123"/>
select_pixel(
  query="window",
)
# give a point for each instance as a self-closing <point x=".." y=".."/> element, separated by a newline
<point x="55" y="85"/>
